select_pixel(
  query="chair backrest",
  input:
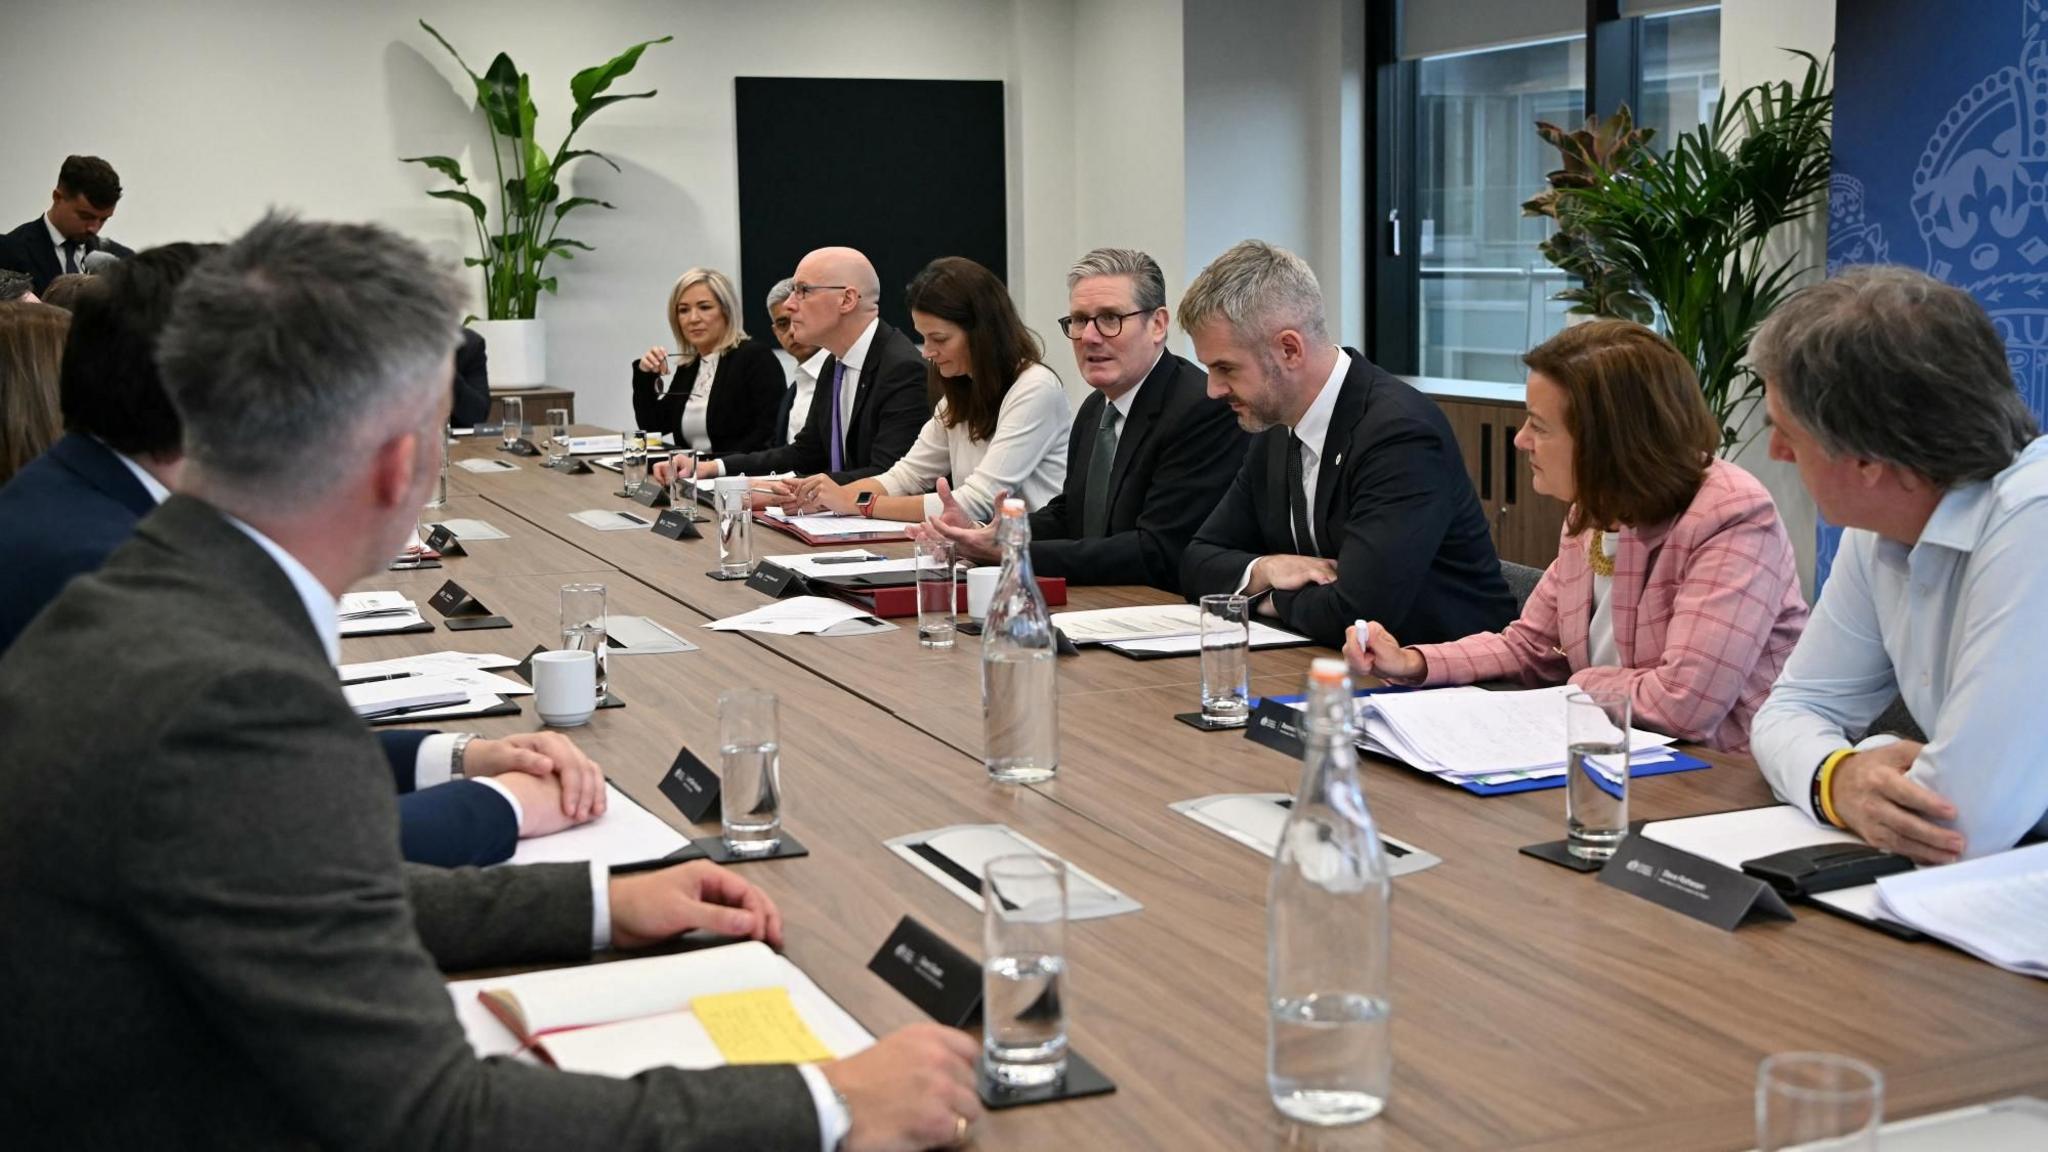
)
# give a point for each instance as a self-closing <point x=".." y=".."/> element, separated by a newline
<point x="1521" y="581"/>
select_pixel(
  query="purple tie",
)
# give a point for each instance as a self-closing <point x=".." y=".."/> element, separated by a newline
<point x="838" y="454"/>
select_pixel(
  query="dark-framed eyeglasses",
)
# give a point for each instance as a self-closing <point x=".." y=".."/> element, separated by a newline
<point x="1109" y="323"/>
<point x="780" y="323"/>
<point x="799" y="290"/>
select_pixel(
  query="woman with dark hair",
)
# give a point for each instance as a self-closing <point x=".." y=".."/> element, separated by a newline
<point x="1674" y="580"/>
<point x="31" y="353"/>
<point x="1001" y="418"/>
<point x="726" y="392"/>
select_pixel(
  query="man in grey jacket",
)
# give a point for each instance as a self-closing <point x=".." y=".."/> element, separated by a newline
<point x="212" y="941"/>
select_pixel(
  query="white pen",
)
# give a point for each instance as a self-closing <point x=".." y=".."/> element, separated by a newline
<point x="1364" y="635"/>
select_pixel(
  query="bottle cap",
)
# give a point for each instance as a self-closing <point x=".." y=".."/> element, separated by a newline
<point x="1014" y="507"/>
<point x="1327" y="670"/>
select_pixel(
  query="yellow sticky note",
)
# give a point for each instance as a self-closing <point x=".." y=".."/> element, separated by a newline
<point x="758" y="1026"/>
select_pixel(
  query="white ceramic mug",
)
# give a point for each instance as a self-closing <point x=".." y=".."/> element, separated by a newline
<point x="564" y="687"/>
<point x="981" y="588"/>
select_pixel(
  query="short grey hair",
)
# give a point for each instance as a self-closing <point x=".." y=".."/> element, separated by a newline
<point x="1886" y="363"/>
<point x="300" y="342"/>
<point x="1260" y="289"/>
<point x="1148" y="283"/>
<point x="779" y="293"/>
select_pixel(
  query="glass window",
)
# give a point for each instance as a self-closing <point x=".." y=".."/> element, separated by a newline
<point x="1681" y="63"/>
<point x="1485" y="288"/>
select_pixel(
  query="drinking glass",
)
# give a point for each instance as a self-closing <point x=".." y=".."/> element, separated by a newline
<point x="1596" y="773"/>
<point x="682" y="481"/>
<point x="937" y="592"/>
<point x="583" y="626"/>
<point x="735" y="520"/>
<point x="750" y="772"/>
<point x="1226" y="641"/>
<point x="1024" y="937"/>
<point x="514" y="410"/>
<point x="558" y="434"/>
<point x="1817" y="1102"/>
<point x="633" y="461"/>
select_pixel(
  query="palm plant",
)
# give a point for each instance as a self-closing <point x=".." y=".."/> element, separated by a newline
<point x="1679" y="240"/>
<point x="530" y="203"/>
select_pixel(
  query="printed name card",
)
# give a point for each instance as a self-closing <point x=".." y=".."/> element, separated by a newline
<point x="691" y="786"/>
<point x="930" y="973"/>
<point x="1689" y="884"/>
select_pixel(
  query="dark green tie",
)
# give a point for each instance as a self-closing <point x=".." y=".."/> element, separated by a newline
<point x="1095" y="502"/>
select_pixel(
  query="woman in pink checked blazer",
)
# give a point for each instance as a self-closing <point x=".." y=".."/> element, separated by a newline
<point x="1674" y="580"/>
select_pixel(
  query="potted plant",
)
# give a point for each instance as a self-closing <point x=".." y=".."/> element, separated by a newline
<point x="530" y="203"/>
<point x="1679" y="240"/>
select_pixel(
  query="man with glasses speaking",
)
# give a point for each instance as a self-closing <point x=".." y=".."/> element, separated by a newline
<point x="1150" y="454"/>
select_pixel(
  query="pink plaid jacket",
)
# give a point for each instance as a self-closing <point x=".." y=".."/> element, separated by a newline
<point x="1706" y="609"/>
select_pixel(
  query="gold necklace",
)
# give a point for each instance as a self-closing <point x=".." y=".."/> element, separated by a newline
<point x="1597" y="557"/>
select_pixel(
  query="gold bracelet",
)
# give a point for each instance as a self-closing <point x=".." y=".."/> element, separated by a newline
<point x="1826" y="785"/>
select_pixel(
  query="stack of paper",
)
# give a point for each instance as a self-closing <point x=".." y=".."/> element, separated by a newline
<point x="1262" y="636"/>
<point x="408" y="694"/>
<point x="459" y="668"/>
<point x="1994" y="907"/>
<point x="1469" y="733"/>
<point x="1146" y="622"/>
<point x="831" y="524"/>
<point x="796" y="616"/>
<point x="626" y="834"/>
<point x="376" y="613"/>
<point x="856" y="562"/>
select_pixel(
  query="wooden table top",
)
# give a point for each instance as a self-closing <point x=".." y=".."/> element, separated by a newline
<point x="1534" y="1008"/>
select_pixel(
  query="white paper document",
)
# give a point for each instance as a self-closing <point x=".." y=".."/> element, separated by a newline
<point x="625" y="834"/>
<point x="968" y="848"/>
<point x="831" y="525"/>
<point x="1471" y="732"/>
<point x="612" y="520"/>
<point x="1994" y="907"/>
<point x="376" y="613"/>
<point x="1254" y="819"/>
<point x="406" y="694"/>
<point x="487" y="465"/>
<point x="423" y="664"/>
<point x="625" y="1017"/>
<point x="639" y="636"/>
<point x="476" y="704"/>
<point x="1263" y="636"/>
<point x="796" y="616"/>
<point x="1146" y="622"/>
<point x="853" y="562"/>
<point x="469" y="531"/>
<point x="1730" y="838"/>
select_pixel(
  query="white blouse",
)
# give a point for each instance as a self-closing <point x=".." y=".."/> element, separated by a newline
<point x="1027" y="454"/>
<point x="1601" y="651"/>
<point x="696" y="433"/>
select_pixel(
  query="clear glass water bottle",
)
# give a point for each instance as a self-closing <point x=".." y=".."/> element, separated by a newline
<point x="1020" y="704"/>
<point x="1329" y="1058"/>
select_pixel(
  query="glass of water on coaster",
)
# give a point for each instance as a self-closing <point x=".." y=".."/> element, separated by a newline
<point x="938" y="594"/>
<point x="583" y="626"/>
<point x="513" y="411"/>
<point x="734" y="496"/>
<point x="1024" y="937"/>
<point x="1813" y="1101"/>
<point x="1596" y="773"/>
<point x="682" y="480"/>
<point x="1226" y="642"/>
<point x="558" y="435"/>
<point x="632" y="461"/>
<point x="750" y="772"/>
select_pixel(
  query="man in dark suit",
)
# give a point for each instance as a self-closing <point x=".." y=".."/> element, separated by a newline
<point x="870" y="401"/>
<point x="1150" y="455"/>
<point x="227" y="951"/>
<point x="60" y="239"/>
<point x="472" y="381"/>
<point x="65" y="513"/>
<point x="1353" y="503"/>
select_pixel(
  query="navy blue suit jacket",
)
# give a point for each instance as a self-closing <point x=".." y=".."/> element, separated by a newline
<point x="67" y="511"/>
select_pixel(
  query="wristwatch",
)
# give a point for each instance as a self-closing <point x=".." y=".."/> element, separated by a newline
<point x="864" y="503"/>
<point x="456" y="753"/>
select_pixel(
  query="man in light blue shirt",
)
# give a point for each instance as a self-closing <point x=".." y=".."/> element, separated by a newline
<point x="1892" y="394"/>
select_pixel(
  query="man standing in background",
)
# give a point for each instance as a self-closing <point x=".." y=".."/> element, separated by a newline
<point x="59" y="240"/>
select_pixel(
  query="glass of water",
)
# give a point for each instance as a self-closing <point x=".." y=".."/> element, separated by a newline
<point x="1024" y="937"/>
<point x="750" y="772"/>
<point x="632" y="461"/>
<point x="514" y="410"/>
<point x="558" y="434"/>
<point x="682" y="480"/>
<point x="735" y="521"/>
<point x="1596" y="773"/>
<point x="583" y="625"/>
<point x="1817" y="1101"/>
<point x="938" y="594"/>
<point x="1226" y="641"/>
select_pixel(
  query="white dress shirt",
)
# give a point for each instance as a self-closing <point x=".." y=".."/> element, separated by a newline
<point x="1128" y="401"/>
<point x="696" y="433"/>
<point x="849" y="388"/>
<point x="1027" y="454"/>
<point x="1312" y="430"/>
<point x="1601" y="650"/>
<point x="1958" y="625"/>
<point x="804" y="376"/>
<point x="57" y="241"/>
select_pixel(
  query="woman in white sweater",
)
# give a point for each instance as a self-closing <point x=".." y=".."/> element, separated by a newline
<point x="1001" y="420"/>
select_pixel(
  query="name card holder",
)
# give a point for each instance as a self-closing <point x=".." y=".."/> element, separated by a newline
<point x="676" y="524"/>
<point x="445" y="542"/>
<point x="774" y="581"/>
<point x="651" y="495"/>
<point x="692" y="787"/>
<point x="1688" y="884"/>
<point x="464" y="612"/>
<point x="520" y="447"/>
<point x="1276" y="726"/>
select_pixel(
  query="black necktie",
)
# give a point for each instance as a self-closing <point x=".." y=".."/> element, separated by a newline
<point x="1095" y="499"/>
<point x="1297" y="499"/>
<point x="71" y="256"/>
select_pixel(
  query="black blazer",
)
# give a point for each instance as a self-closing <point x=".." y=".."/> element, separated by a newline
<point x="890" y="407"/>
<point x="28" y="249"/>
<point x="472" y="381"/>
<point x="1393" y="506"/>
<point x="745" y="398"/>
<point x="1175" y="457"/>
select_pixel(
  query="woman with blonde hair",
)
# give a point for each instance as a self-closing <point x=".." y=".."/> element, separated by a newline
<point x="1674" y="580"/>
<point x="31" y="356"/>
<point x="721" y="390"/>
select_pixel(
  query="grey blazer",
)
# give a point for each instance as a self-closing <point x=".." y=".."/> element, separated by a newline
<point x="211" y="941"/>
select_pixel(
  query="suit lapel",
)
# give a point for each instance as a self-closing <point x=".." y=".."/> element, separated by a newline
<point x="1279" y="517"/>
<point x="1081" y="449"/>
<point x="1145" y="411"/>
<point x="96" y="464"/>
<point x="1352" y="396"/>
<point x="1575" y="601"/>
<point x="868" y="373"/>
<point x="1633" y="551"/>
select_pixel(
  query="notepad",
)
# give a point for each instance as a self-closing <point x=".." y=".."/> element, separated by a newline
<point x="1471" y="732"/>
<point x="758" y="1026"/>
<point x="1262" y="636"/>
<point x="796" y="616"/>
<point x="1147" y="622"/>
<point x="826" y="524"/>
<point x="626" y="834"/>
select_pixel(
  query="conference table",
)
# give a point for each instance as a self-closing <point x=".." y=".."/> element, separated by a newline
<point x="1534" y="1008"/>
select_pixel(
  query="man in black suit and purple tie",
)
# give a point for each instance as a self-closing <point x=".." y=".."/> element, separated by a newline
<point x="58" y="241"/>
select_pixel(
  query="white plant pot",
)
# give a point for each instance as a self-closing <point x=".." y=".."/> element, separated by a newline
<point x="517" y="351"/>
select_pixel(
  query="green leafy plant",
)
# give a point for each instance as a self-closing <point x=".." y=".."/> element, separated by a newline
<point x="1679" y="240"/>
<point x="530" y="203"/>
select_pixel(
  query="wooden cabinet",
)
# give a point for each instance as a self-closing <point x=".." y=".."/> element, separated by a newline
<point x="1525" y="523"/>
<point x="534" y="403"/>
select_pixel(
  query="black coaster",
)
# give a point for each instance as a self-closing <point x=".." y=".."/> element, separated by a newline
<point x="717" y="575"/>
<point x="1556" y="852"/>
<point x="570" y="466"/>
<point x="713" y="848"/>
<point x="1081" y="1079"/>
<point x="475" y="623"/>
<point x="1197" y="720"/>
<point x="413" y="565"/>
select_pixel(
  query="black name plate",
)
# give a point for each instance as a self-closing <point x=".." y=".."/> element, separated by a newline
<point x="1276" y="726"/>
<point x="454" y="600"/>
<point x="930" y="973"/>
<point x="1685" y="883"/>
<point x="443" y="541"/>
<point x="775" y="581"/>
<point x="570" y="466"/>
<point x="651" y="495"/>
<point x="522" y="447"/>
<point x="676" y="525"/>
<point x="691" y="787"/>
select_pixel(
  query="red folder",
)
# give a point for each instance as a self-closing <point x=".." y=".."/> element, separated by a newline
<point x="899" y="602"/>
